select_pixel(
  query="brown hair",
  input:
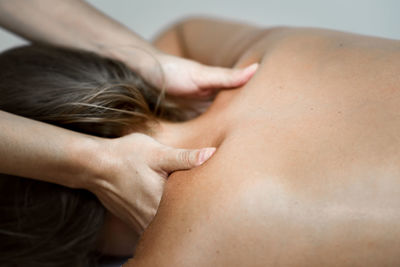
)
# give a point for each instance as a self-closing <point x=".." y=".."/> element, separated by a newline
<point x="43" y="224"/>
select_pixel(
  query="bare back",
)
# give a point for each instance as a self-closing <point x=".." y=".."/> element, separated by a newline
<point x="307" y="171"/>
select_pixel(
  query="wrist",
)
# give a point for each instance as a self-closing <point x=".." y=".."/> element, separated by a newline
<point x="88" y="163"/>
<point x="99" y="166"/>
<point x="140" y="58"/>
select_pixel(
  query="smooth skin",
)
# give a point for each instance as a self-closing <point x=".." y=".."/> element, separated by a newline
<point x="127" y="174"/>
<point x="307" y="168"/>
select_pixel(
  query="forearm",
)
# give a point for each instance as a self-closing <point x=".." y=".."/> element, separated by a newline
<point x="72" y="23"/>
<point x="44" y="152"/>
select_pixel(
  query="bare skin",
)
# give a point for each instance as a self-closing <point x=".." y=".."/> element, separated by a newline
<point x="307" y="168"/>
<point x="114" y="170"/>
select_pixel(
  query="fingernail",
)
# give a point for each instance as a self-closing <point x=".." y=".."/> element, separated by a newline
<point x="205" y="154"/>
<point x="252" y="68"/>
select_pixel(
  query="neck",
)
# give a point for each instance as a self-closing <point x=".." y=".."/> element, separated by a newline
<point x="207" y="130"/>
<point x="178" y="135"/>
<point x="203" y="131"/>
<point x="172" y="134"/>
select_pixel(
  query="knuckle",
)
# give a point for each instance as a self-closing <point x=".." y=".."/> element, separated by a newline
<point x="185" y="157"/>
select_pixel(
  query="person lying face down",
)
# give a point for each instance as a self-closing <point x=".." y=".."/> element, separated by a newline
<point x="307" y="167"/>
<point x="306" y="172"/>
<point x="43" y="224"/>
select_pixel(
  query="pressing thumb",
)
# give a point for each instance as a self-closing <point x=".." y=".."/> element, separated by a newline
<point x="217" y="77"/>
<point x="182" y="159"/>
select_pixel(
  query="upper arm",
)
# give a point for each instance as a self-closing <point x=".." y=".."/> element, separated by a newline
<point x="209" y="41"/>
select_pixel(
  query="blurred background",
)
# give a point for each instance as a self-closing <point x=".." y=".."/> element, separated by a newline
<point x="372" y="17"/>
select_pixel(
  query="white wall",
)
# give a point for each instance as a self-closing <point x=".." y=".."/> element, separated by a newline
<point x="374" y="17"/>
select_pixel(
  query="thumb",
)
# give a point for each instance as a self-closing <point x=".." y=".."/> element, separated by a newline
<point x="217" y="77"/>
<point x="182" y="159"/>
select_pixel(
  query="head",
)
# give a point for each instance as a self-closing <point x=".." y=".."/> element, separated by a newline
<point x="43" y="224"/>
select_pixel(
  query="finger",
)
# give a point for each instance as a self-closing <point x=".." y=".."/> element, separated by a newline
<point x="182" y="159"/>
<point x="215" y="77"/>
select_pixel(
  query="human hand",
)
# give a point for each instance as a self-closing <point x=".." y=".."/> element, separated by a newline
<point x="132" y="185"/>
<point x="191" y="83"/>
<point x="187" y="78"/>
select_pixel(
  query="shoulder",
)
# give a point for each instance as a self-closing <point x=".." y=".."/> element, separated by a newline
<point x="209" y="217"/>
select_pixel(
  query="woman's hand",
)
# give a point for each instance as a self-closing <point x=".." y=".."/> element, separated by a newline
<point x="193" y="84"/>
<point x="179" y="76"/>
<point x="136" y="167"/>
<point x="187" y="78"/>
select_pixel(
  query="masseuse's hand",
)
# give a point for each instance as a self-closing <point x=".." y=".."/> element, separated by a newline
<point x="193" y="84"/>
<point x="190" y="81"/>
<point x="188" y="78"/>
<point x="132" y="186"/>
